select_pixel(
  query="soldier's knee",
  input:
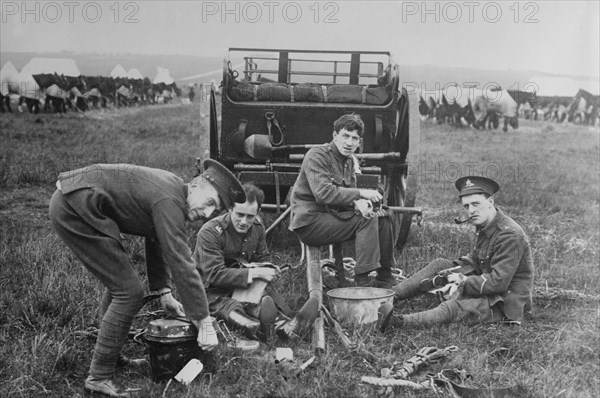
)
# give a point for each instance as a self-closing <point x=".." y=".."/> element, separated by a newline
<point x="133" y="294"/>
<point x="440" y="264"/>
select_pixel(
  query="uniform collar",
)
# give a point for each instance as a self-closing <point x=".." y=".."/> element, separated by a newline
<point x="336" y="153"/>
<point x="488" y="230"/>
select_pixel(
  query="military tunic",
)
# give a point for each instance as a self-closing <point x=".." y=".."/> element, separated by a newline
<point x="90" y="210"/>
<point x="322" y="203"/>
<point x="499" y="282"/>
<point x="504" y="267"/>
<point x="219" y="252"/>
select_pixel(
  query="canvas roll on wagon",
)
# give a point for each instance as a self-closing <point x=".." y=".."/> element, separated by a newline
<point x="283" y="102"/>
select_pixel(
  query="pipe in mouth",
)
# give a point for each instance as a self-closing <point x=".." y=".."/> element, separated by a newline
<point x="462" y="221"/>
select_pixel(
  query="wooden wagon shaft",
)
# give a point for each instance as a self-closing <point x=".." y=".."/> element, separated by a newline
<point x="349" y="345"/>
<point x="396" y="209"/>
<point x="389" y="156"/>
<point x="279" y="219"/>
<point x="406" y="210"/>
<point x="315" y="289"/>
<point x="292" y="167"/>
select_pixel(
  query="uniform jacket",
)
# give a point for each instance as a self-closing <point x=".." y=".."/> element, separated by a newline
<point x="327" y="182"/>
<point x="124" y="198"/>
<point x="504" y="267"/>
<point x="220" y="250"/>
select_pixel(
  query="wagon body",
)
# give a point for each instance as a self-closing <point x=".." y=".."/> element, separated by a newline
<point x="277" y="104"/>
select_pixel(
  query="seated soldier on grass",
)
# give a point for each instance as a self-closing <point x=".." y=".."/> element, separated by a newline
<point x="493" y="284"/>
<point x="327" y="207"/>
<point x="231" y="252"/>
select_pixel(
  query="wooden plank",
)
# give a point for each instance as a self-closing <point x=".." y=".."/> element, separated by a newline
<point x="315" y="289"/>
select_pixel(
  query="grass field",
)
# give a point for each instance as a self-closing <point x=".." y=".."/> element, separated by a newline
<point x="549" y="176"/>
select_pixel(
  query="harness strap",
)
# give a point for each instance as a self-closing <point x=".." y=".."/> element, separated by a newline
<point x="272" y="120"/>
<point x="424" y="356"/>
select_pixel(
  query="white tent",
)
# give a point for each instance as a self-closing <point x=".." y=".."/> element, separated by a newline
<point x="561" y="86"/>
<point x="60" y="66"/>
<point x="134" y="74"/>
<point x="8" y="75"/>
<point x="8" y="70"/>
<point x="118" y="72"/>
<point x="27" y="86"/>
<point x="162" y="76"/>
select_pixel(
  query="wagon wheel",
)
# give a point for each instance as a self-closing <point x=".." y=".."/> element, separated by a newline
<point x="213" y="127"/>
<point x="400" y="185"/>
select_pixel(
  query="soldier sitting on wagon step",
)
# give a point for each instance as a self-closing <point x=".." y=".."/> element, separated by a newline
<point x="494" y="283"/>
<point x="327" y="207"/>
<point x="231" y="253"/>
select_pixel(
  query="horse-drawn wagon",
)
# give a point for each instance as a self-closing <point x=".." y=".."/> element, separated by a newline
<point x="280" y="103"/>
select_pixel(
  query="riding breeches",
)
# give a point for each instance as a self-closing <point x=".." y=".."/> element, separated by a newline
<point x="106" y="259"/>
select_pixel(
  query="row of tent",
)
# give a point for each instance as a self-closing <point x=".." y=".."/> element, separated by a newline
<point x="35" y="78"/>
<point x="68" y="67"/>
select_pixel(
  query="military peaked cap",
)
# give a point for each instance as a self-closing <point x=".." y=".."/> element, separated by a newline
<point x="228" y="187"/>
<point x="471" y="185"/>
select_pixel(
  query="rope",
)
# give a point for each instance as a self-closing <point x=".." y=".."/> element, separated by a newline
<point x="426" y="355"/>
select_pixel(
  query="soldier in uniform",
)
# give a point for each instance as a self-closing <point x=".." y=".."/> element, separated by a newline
<point x="494" y="283"/>
<point x="327" y="207"/>
<point x="94" y="205"/>
<point x="231" y="252"/>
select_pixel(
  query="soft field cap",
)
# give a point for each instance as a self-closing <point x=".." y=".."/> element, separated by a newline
<point x="471" y="185"/>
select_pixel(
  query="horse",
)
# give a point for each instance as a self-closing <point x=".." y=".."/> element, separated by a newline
<point x="583" y="107"/>
<point x="495" y="103"/>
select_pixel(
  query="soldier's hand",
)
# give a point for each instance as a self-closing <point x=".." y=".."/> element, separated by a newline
<point x="207" y="335"/>
<point x="264" y="273"/>
<point x="370" y="194"/>
<point x="364" y="207"/>
<point x="171" y="306"/>
<point x="456" y="277"/>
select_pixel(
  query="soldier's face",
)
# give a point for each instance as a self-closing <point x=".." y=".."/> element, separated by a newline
<point x="346" y="141"/>
<point x="479" y="208"/>
<point x="203" y="201"/>
<point x="243" y="215"/>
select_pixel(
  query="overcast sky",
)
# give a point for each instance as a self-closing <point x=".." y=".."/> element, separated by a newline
<point x="561" y="37"/>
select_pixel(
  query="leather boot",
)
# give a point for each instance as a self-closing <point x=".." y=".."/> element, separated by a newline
<point x="243" y="321"/>
<point x="267" y="316"/>
<point x="386" y="318"/>
<point x="108" y="388"/>
<point x="384" y="279"/>
<point x="362" y="280"/>
<point x="300" y="323"/>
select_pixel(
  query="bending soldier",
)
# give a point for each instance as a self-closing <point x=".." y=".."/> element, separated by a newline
<point x="94" y="205"/>
<point x="494" y="282"/>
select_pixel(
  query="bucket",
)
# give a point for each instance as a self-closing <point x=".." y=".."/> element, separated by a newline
<point x="358" y="305"/>
<point x="171" y="344"/>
